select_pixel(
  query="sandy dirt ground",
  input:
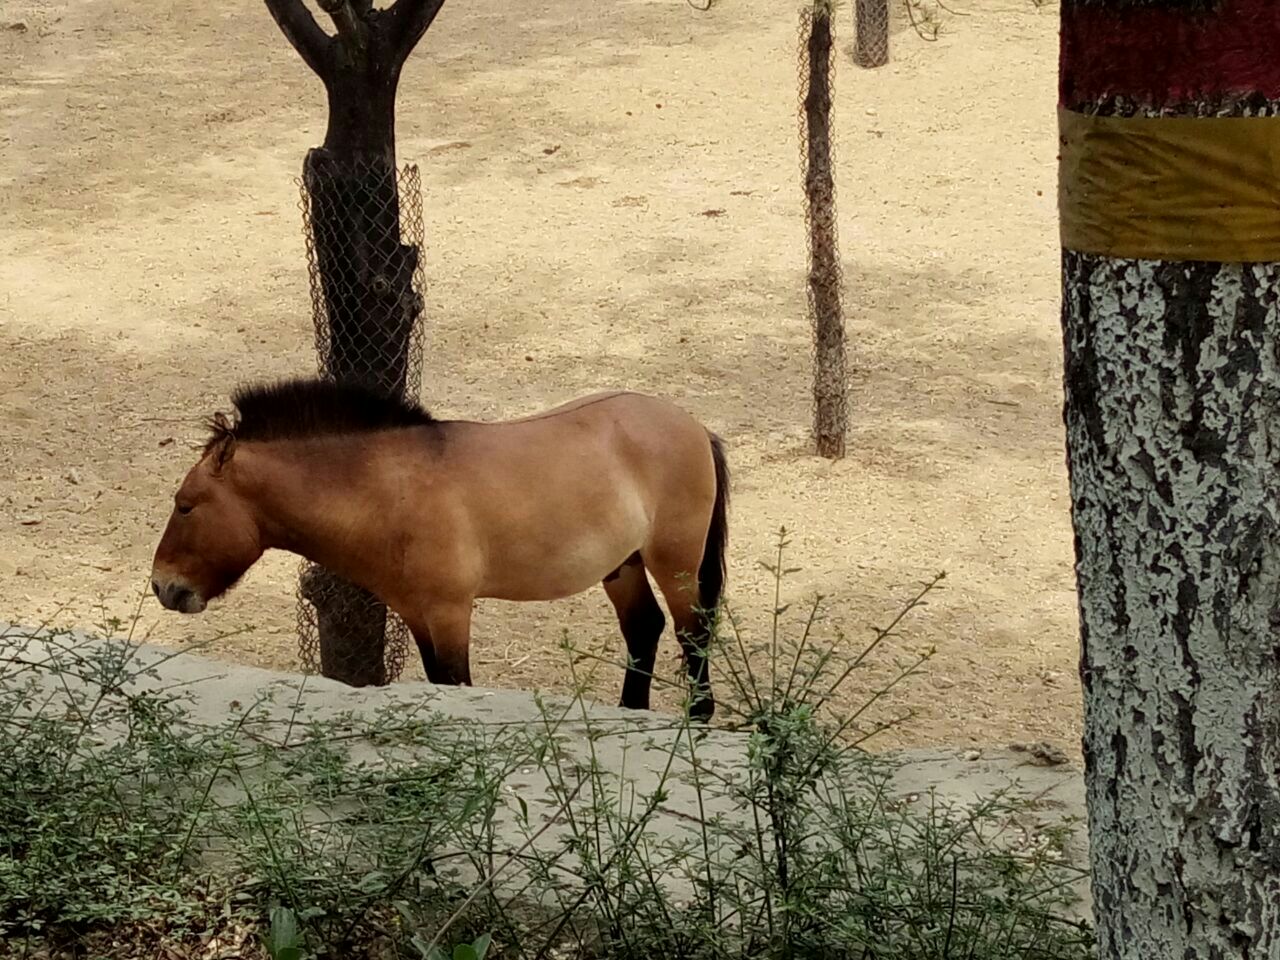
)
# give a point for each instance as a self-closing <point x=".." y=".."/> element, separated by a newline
<point x="571" y="156"/>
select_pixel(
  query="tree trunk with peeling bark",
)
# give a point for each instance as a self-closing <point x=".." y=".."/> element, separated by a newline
<point x="366" y="273"/>
<point x="1173" y="397"/>
<point x="1172" y="413"/>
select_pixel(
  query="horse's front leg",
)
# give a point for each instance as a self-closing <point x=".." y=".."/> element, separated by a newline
<point x="443" y="635"/>
<point x="422" y="637"/>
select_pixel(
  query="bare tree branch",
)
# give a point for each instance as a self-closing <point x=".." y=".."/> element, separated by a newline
<point x="301" y="30"/>
<point x="409" y="21"/>
<point x="352" y="27"/>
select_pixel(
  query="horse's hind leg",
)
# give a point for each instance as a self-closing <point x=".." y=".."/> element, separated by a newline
<point x="642" y="623"/>
<point x="675" y="574"/>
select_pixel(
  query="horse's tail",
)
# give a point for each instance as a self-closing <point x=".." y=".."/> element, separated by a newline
<point x="711" y="574"/>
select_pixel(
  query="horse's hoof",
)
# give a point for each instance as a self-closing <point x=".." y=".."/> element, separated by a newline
<point x="702" y="709"/>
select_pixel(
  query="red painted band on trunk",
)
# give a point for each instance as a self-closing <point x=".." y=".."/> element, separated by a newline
<point x="1162" y="56"/>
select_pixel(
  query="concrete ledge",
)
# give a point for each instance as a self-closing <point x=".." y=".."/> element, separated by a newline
<point x="630" y="749"/>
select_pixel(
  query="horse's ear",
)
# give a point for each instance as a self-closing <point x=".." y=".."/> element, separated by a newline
<point x="224" y="447"/>
<point x="224" y="451"/>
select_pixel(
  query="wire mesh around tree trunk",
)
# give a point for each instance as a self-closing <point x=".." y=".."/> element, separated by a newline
<point x="871" y="32"/>
<point x="816" y="64"/>
<point x="364" y="236"/>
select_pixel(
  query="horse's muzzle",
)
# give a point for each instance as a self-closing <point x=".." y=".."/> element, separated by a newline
<point x="174" y="596"/>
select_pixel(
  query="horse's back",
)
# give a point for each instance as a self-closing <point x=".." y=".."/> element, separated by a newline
<point x="650" y="432"/>
<point x="648" y="424"/>
<point x="604" y="403"/>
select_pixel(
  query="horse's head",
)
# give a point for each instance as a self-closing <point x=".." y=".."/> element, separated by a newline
<point x="212" y="537"/>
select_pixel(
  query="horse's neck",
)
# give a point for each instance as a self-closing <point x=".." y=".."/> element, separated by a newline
<point x="314" y="499"/>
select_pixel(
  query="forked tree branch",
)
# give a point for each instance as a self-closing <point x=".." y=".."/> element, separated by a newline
<point x="409" y="21"/>
<point x="303" y="33"/>
<point x="348" y="17"/>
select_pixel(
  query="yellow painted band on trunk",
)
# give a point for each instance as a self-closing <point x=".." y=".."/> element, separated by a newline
<point x="1170" y="188"/>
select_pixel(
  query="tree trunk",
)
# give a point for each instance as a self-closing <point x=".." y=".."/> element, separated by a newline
<point x="830" y="388"/>
<point x="1172" y="397"/>
<point x="366" y="307"/>
<point x="369" y="310"/>
<point x="351" y="625"/>
<point x="1173" y="391"/>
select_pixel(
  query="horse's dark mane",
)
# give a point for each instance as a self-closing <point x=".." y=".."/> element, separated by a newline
<point x="306" y="407"/>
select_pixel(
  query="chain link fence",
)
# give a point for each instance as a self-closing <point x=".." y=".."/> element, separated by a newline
<point x="871" y="32"/>
<point x="364" y="238"/>
<point x="816" y="69"/>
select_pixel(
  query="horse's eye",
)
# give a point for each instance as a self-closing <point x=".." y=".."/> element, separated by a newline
<point x="184" y="509"/>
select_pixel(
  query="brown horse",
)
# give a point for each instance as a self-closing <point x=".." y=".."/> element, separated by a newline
<point x="428" y="515"/>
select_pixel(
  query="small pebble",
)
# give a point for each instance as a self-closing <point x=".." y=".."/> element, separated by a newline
<point x="972" y="755"/>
